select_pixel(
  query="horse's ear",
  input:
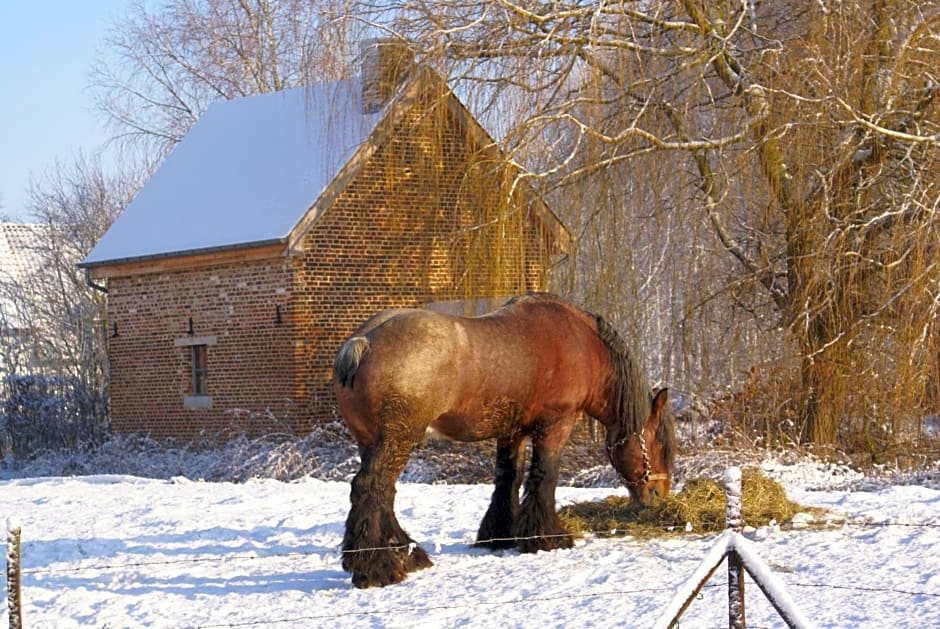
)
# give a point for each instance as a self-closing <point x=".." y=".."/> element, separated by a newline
<point x="659" y="402"/>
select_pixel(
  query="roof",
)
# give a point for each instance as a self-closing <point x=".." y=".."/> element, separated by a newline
<point x="20" y="251"/>
<point x="20" y="256"/>
<point x="251" y="169"/>
<point x="246" y="173"/>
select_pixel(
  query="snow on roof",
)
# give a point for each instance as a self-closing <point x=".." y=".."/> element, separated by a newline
<point x="20" y="256"/>
<point x="20" y="250"/>
<point x="246" y="173"/>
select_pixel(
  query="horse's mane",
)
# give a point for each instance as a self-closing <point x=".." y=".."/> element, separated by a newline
<point x="631" y="391"/>
<point x="631" y="399"/>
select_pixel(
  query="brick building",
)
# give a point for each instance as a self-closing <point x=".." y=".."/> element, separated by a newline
<point x="283" y="220"/>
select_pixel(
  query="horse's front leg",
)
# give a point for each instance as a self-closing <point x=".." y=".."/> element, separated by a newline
<point x="376" y="550"/>
<point x="497" y="530"/>
<point x="538" y="526"/>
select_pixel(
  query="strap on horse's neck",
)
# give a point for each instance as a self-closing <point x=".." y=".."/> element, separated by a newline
<point x="647" y="468"/>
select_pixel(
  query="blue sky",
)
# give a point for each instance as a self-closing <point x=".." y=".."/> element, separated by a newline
<point x="47" y="48"/>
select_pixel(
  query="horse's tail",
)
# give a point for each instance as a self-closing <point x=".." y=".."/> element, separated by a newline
<point x="348" y="358"/>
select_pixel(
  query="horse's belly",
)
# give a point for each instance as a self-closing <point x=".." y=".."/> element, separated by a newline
<point x="434" y="433"/>
<point x="500" y="418"/>
<point x="456" y="429"/>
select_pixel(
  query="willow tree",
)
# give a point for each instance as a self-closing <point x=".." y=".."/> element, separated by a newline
<point x="755" y="166"/>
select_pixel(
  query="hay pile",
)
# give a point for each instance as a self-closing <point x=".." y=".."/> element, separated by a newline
<point x="701" y="504"/>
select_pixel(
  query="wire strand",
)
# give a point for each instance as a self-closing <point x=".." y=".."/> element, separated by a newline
<point x="603" y="533"/>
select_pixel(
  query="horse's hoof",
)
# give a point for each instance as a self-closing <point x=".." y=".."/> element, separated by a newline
<point x="363" y="581"/>
<point x="417" y="559"/>
<point x="381" y="567"/>
<point x="548" y="542"/>
<point x="376" y="578"/>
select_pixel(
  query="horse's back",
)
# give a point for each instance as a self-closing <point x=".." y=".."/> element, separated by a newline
<point x="529" y="335"/>
<point x="529" y="358"/>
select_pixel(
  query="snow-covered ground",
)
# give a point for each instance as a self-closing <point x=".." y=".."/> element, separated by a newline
<point x="123" y="551"/>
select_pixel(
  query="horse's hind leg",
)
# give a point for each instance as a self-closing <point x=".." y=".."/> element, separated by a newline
<point x="497" y="529"/>
<point x="538" y="526"/>
<point x="376" y="550"/>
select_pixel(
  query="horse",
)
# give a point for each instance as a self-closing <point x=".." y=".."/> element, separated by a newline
<point x="525" y="372"/>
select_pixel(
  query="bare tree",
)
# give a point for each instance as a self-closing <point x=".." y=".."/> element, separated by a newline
<point x="841" y="111"/>
<point x="75" y="205"/>
<point x="53" y="324"/>
<point x="171" y="60"/>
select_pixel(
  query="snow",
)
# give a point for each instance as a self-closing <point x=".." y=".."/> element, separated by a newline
<point x="124" y="551"/>
<point x="733" y="498"/>
<point x="247" y="172"/>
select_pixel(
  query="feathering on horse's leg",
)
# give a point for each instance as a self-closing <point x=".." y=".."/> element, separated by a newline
<point x="538" y="526"/>
<point x="365" y="552"/>
<point x="376" y="550"/>
<point x="402" y="433"/>
<point x="497" y="529"/>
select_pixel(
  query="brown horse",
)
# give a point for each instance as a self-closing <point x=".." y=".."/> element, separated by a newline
<point x="526" y="371"/>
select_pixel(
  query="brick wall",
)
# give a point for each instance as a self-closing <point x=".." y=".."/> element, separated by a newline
<point x="250" y="355"/>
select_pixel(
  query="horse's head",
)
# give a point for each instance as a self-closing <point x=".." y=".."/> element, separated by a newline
<point x="644" y="461"/>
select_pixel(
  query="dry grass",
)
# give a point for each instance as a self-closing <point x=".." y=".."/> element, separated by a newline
<point x="701" y="503"/>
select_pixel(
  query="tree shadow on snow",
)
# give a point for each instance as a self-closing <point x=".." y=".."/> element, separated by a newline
<point x="250" y="560"/>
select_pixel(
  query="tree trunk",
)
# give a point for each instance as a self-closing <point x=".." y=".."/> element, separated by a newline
<point x="825" y="362"/>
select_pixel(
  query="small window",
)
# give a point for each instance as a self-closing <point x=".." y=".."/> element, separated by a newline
<point x="200" y="369"/>
<point x="197" y="352"/>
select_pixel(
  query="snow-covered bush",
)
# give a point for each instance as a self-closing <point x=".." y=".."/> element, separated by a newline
<point x="49" y="413"/>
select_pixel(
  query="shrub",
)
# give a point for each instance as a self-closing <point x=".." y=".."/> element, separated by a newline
<point x="49" y="413"/>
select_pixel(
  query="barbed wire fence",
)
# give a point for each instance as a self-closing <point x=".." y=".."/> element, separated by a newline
<point x="15" y="574"/>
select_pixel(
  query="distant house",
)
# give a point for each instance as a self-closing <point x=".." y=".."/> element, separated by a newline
<point x="20" y="257"/>
<point x="281" y="221"/>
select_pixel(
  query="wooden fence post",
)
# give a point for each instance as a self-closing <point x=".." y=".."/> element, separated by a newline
<point x="14" y="601"/>
<point x="734" y="521"/>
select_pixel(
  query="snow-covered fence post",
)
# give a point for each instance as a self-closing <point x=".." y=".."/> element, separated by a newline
<point x="14" y="602"/>
<point x="732" y="546"/>
<point x="734" y="521"/>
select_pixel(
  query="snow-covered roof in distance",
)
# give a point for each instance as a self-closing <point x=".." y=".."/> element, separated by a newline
<point x="20" y="250"/>
<point x="20" y="257"/>
<point x="246" y="173"/>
